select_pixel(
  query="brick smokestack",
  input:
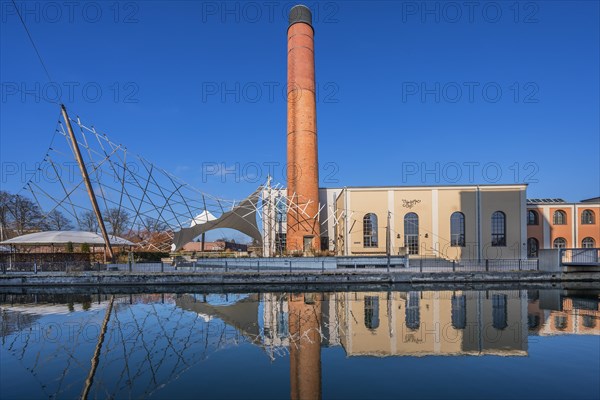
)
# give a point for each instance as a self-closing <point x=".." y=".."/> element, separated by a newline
<point x="303" y="229"/>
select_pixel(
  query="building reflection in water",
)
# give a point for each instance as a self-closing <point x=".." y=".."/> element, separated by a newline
<point x="572" y="315"/>
<point x="186" y="328"/>
<point x="433" y="323"/>
<point x="403" y="324"/>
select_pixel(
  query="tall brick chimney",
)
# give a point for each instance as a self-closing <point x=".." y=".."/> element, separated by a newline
<point x="303" y="228"/>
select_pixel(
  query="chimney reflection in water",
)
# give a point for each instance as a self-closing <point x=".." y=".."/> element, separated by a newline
<point x="305" y="345"/>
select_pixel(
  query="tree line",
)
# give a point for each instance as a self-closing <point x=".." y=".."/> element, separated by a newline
<point x="19" y="215"/>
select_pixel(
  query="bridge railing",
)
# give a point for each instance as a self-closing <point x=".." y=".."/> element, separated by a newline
<point x="433" y="265"/>
<point x="360" y="263"/>
<point x="287" y="264"/>
<point x="282" y="264"/>
<point x="35" y="267"/>
<point x="580" y="256"/>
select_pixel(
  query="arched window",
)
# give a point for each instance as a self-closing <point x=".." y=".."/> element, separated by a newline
<point x="372" y="312"/>
<point x="559" y="243"/>
<point x="499" y="317"/>
<point x="457" y="229"/>
<point x="411" y="233"/>
<point x="559" y="218"/>
<point x="532" y="218"/>
<point x="560" y="322"/>
<point x="413" y="315"/>
<point x="587" y="217"/>
<point x="588" y="243"/>
<point x="370" y="230"/>
<point x="532" y="247"/>
<point x="498" y="229"/>
<point x="588" y="321"/>
<point x="459" y="312"/>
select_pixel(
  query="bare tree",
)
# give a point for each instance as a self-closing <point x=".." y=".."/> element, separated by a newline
<point x="88" y="221"/>
<point x="5" y="215"/>
<point x="25" y="213"/>
<point x="56" y="221"/>
<point x="118" y="221"/>
<point x="154" y="225"/>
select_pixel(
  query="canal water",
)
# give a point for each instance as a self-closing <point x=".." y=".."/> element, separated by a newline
<point x="496" y="343"/>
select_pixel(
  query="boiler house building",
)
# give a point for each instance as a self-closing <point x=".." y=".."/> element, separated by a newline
<point x="450" y="222"/>
<point x="470" y="222"/>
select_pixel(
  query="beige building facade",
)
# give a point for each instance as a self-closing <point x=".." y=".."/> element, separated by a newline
<point x="472" y="222"/>
<point x="450" y="222"/>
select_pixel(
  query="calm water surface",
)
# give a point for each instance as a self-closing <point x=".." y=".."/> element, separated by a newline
<point x="415" y="344"/>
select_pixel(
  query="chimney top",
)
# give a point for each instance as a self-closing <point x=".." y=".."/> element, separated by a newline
<point x="300" y="13"/>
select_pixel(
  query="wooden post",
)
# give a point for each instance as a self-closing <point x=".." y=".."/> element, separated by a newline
<point x="88" y="184"/>
<point x="96" y="358"/>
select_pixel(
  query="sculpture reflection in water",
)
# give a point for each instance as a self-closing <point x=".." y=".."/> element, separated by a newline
<point x="151" y="340"/>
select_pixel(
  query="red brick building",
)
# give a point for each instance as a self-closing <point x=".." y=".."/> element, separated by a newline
<point x="554" y="223"/>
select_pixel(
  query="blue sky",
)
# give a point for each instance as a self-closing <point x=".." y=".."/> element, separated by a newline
<point x="410" y="93"/>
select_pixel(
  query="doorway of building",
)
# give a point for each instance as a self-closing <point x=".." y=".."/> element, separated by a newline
<point x="532" y="247"/>
<point x="308" y="244"/>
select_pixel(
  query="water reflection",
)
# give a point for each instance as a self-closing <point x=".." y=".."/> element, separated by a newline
<point x="140" y="345"/>
<point x="433" y="323"/>
<point x="574" y="315"/>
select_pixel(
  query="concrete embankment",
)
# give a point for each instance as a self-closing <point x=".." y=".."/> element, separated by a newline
<point x="287" y="278"/>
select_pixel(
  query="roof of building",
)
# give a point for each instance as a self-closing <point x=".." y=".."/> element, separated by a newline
<point x="64" y="237"/>
<point x="591" y="200"/>
<point x="413" y="187"/>
<point x="562" y="201"/>
<point x="449" y="186"/>
<point x="545" y="201"/>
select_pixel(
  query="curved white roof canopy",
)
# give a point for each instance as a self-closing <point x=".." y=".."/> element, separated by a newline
<point x="202" y="218"/>
<point x="242" y="218"/>
<point x="64" y="237"/>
